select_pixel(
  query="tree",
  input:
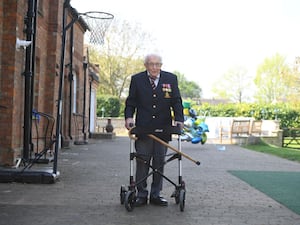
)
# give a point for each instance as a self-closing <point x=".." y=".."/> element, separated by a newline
<point x="188" y="89"/>
<point x="233" y="85"/>
<point x="294" y="82"/>
<point x="273" y="80"/>
<point x="120" y="57"/>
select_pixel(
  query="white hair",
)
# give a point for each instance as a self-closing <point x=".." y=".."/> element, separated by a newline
<point x="156" y="55"/>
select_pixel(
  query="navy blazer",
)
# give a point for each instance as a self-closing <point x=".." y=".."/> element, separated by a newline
<point x="152" y="108"/>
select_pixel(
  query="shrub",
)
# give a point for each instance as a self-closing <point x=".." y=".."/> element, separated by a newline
<point x="108" y="106"/>
<point x="288" y="115"/>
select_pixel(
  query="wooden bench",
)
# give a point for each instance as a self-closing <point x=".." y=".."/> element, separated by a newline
<point x="238" y="127"/>
<point x="255" y="128"/>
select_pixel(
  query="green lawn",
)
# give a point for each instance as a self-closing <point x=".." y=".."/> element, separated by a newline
<point x="287" y="153"/>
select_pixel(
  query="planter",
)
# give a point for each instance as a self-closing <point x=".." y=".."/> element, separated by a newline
<point x="109" y="127"/>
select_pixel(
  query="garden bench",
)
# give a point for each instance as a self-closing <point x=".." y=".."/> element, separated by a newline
<point x="238" y="127"/>
<point x="256" y="127"/>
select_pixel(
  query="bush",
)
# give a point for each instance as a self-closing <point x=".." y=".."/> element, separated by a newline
<point x="288" y="115"/>
<point x="108" y="106"/>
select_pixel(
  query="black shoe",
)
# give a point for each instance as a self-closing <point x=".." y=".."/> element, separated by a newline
<point x="158" y="201"/>
<point x="140" y="202"/>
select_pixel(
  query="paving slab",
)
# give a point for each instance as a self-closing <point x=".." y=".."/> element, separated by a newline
<point x="88" y="189"/>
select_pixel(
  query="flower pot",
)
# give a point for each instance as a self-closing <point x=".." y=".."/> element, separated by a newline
<point x="109" y="127"/>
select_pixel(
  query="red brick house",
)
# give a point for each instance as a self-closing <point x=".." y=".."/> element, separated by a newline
<point x="79" y="85"/>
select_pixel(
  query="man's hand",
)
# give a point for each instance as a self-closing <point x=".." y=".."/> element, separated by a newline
<point x="179" y="124"/>
<point x="129" y="123"/>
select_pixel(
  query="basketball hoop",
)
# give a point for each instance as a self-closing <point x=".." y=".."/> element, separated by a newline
<point x="98" y="23"/>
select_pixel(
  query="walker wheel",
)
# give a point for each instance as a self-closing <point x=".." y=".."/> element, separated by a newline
<point x="182" y="199"/>
<point x="176" y="196"/>
<point x="122" y="194"/>
<point x="130" y="200"/>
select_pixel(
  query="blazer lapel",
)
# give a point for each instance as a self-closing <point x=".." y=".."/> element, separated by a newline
<point x="146" y="81"/>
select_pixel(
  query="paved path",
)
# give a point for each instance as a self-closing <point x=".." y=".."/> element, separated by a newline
<point x="91" y="176"/>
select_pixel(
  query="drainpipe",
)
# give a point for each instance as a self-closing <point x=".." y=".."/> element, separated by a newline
<point x="71" y="82"/>
<point x="85" y="66"/>
<point x="28" y="81"/>
<point x="90" y="99"/>
<point x="33" y="44"/>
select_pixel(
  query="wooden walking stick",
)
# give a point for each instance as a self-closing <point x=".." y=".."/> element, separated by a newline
<point x="172" y="148"/>
<point x="165" y="144"/>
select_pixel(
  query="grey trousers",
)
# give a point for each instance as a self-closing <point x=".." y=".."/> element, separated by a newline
<point x="150" y="151"/>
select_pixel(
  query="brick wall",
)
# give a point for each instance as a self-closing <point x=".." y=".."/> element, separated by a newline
<point x="1" y="31"/>
<point x="12" y="62"/>
<point x="46" y="76"/>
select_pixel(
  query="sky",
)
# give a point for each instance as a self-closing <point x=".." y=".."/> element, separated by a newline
<point x="203" y="39"/>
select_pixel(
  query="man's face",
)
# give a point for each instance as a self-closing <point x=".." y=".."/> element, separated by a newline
<point x="153" y="65"/>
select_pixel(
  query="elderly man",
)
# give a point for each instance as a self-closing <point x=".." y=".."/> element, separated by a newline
<point x="153" y="95"/>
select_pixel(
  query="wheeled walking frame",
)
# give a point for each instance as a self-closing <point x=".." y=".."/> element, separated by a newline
<point x="128" y="195"/>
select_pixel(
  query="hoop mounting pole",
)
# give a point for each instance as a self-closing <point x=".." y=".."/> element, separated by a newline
<point x="60" y="87"/>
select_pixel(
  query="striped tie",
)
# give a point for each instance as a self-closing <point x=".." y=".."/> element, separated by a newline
<point x="152" y="79"/>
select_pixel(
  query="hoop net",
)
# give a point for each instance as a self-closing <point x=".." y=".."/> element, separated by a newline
<point x="98" y="23"/>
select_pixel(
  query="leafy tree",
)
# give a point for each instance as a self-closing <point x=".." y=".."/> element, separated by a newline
<point x="188" y="89"/>
<point x="233" y="85"/>
<point x="119" y="57"/>
<point x="294" y="82"/>
<point x="122" y="56"/>
<point x="273" y="79"/>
